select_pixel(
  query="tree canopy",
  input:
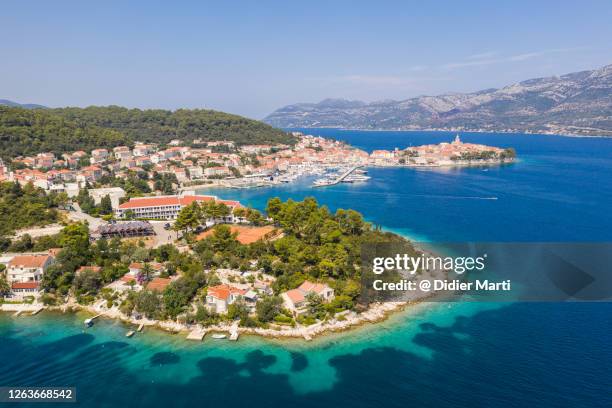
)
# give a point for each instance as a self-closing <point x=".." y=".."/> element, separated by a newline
<point x="30" y="131"/>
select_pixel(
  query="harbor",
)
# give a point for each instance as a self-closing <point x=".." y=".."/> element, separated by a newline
<point x="351" y="175"/>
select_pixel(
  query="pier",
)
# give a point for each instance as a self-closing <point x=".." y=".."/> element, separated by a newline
<point x="197" y="334"/>
<point x="37" y="311"/>
<point x="339" y="178"/>
<point x="234" y="332"/>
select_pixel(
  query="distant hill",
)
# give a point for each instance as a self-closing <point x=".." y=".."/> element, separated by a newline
<point x="6" y="102"/>
<point x="579" y="103"/>
<point x="30" y="131"/>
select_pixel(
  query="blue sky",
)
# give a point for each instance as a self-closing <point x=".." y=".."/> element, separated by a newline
<point x="252" y="57"/>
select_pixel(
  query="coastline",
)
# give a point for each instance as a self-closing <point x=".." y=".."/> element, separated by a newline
<point x="510" y="132"/>
<point x="376" y="313"/>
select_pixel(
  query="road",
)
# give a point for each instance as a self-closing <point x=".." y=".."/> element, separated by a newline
<point x="162" y="236"/>
<point x="78" y="215"/>
<point x="39" y="231"/>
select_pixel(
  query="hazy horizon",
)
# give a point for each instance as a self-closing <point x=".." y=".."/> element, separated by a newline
<point x="250" y="59"/>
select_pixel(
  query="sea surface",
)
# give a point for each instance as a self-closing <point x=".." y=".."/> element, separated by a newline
<point x="434" y="355"/>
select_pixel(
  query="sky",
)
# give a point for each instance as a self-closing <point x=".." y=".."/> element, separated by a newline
<point x="252" y="57"/>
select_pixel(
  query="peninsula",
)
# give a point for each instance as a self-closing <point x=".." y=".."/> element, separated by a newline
<point x="121" y="232"/>
<point x="206" y="265"/>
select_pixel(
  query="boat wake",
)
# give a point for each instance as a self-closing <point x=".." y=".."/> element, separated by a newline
<point x="441" y="196"/>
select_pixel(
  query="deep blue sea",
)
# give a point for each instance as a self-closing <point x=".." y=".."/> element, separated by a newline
<point x="433" y="355"/>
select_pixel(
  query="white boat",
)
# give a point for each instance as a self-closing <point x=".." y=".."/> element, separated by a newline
<point x="352" y="178"/>
<point x="89" y="322"/>
<point x="130" y="333"/>
<point x="322" y="182"/>
<point x="219" y="336"/>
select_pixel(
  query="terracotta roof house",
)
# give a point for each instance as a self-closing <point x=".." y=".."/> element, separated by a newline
<point x="159" y="284"/>
<point x="27" y="268"/>
<point x="136" y="267"/>
<point x="219" y="297"/>
<point x="295" y="299"/>
<point x="22" y="289"/>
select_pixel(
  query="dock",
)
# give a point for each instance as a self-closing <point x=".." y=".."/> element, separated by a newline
<point x="339" y="178"/>
<point x="36" y="311"/>
<point x="305" y="334"/>
<point x="197" y="334"/>
<point x="234" y="332"/>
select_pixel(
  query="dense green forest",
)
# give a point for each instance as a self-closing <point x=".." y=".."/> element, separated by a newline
<point x="28" y="206"/>
<point x="30" y="131"/>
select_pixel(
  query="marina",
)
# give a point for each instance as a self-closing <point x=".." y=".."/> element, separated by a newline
<point x="345" y="176"/>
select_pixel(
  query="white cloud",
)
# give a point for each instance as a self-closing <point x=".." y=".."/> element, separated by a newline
<point x="486" y="58"/>
<point x="483" y="55"/>
<point x="378" y="80"/>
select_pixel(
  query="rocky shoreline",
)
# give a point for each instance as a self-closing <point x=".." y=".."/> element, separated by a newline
<point x="377" y="312"/>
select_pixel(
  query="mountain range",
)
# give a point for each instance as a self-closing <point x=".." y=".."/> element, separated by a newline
<point x="6" y="102"/>
<point x="579" y="103"/>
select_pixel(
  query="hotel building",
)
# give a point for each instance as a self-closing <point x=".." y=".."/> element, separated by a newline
<point x="166" y="207"/>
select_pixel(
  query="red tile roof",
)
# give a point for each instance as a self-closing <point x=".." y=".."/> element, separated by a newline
<point x="223" y="291"/>
<point x="25" y="285"/>
<point x="128" y="278"/>
<point x="163" y="201"/>
<point x="296" y="296"/>
<point x="312" y="287"/>
<point x="159" y="284"/>
<point x="29" y="261"/>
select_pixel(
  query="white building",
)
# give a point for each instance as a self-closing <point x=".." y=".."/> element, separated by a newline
<point x="99" y="156"/>
<point x="27" y="268"/>
<point x="115" y="194"/>
<point x="217" y="171"/>
<point x="195" y="172"/>
<point x="143" y="150"/>
<point x="122" y="153"/>
<point x="165" y="207"/>
<point x="219" y="297"/>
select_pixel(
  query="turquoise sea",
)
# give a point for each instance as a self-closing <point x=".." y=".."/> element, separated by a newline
<point x="435" y="355"/>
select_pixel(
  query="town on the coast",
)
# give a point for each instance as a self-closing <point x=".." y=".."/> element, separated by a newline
<point x="223" y="164"/>
<point x="126" y="233"/>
